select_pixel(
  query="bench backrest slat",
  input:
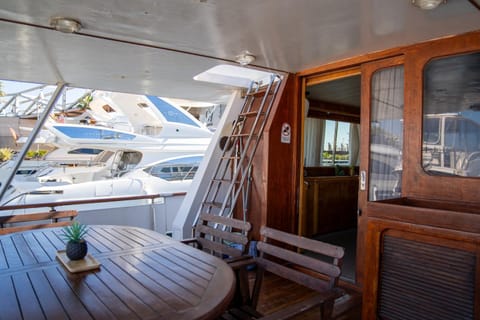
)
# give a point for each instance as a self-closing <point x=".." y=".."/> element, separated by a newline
<point x="289" y="256"/>
<point x="285" y="255"/>
<point x="21" y="222"/>
<point x="304" y="243"/>
<point x="222" y="235"/>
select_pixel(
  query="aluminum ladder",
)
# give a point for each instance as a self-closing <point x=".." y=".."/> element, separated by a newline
<point x="232" y="176"/>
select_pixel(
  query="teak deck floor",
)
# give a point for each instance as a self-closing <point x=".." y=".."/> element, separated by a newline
<point x="277" y="293"/>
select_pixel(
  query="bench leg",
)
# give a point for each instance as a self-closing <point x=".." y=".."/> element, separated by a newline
<point x="327" y="309"/>
<point x="242" y="290"/>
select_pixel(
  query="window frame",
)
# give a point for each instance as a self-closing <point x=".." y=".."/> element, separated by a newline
<point x="416" y="182"/>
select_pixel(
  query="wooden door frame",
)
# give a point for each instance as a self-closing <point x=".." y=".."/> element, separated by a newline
<point x="305" y="82"/>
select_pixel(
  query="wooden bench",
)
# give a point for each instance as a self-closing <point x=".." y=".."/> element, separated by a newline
<point x="22" y="222"/>
<point x="226" y="238"/>
<point x="286" y="256"/>
<point x="221" y="236"/>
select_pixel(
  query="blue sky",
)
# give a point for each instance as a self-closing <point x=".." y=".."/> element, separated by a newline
<point x="15" y="86"/>
<point x="12" y="87"/>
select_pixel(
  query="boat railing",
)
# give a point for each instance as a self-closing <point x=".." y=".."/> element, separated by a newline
<point x="53" y="205"/>
<point x="155" y="211"/>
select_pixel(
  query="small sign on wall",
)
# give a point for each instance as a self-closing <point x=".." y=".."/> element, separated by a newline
<point x="286" y="134"/>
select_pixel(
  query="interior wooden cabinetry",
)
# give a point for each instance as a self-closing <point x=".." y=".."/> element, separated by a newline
<point x="330" y="203"/>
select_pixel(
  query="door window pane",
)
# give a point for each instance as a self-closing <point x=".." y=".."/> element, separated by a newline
<point x="386" y="134"/>
<point x="451" y="116"/>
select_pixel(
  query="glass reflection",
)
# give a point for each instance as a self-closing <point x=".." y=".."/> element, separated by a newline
<point x="451" y="116"/>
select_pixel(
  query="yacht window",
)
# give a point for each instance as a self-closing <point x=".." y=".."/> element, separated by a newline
<point x="131" y="159"/>
<point x="85" y="151"/>
<point x="86" y="132"/>
<point x="104" y="156"/>
<point x="431" y="130"/>
<point x="176" y="169"/>
<point x="170" y="112"/>
<point x="451" y="116"/>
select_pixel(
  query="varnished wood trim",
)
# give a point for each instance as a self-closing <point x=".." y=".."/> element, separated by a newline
<point x="435" y="218"/>
<point x="371" y="267"/>
<point x="475" y="3"/>
<point x="351" y="62"/>
<point x="477" y="285"/>
<point x="372" y="56"/>
<point x="301" y="228"/>
<point x="333" y="75"/>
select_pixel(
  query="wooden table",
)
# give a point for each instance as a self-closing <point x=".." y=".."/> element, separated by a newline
<point x="143" y="275"/>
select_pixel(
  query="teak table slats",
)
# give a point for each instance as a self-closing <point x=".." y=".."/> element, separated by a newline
<point x="143" y="275"/>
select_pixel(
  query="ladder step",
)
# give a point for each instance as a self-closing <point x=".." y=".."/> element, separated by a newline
<point x="250" y="114"/>
<point x="230" y="157"/>
<point x="242" y="135"/>
<point x="209" y="213"/>
<point x="214" y="204"/>
<point x="224" y="180"/>
<point x="259" y="92"/>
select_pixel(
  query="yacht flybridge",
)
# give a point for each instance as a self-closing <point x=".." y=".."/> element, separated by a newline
<point x="371" y="141"/>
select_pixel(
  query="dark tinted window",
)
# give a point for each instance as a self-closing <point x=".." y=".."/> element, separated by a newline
<point x="451" y="116"/>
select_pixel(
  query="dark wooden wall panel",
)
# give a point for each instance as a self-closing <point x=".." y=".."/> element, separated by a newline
<point x="282" y="173"/>
<point x="273" y="196"/>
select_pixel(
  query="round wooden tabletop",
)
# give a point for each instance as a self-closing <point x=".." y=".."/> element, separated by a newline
<point x="142" y="275"/>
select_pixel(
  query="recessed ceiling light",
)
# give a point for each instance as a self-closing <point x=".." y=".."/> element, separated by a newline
<point x="245" y="58"/>
<point x="66" y="25"/>
<point x="427" y="4"/>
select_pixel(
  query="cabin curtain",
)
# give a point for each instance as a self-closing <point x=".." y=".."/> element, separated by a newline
<point x="313" y="141"/>
<point x="386" y="133"/>
<point x="354" y="144"/>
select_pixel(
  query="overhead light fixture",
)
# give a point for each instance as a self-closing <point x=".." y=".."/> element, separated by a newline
<point x="65" y="25"/>
<point x="427" y="4"/>
<point x="245" y="58"/>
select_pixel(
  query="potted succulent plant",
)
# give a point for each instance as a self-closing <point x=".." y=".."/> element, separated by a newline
<point x="76" y="245"/>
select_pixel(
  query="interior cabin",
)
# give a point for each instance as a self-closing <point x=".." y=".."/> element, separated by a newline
<point x="375" y="148"/>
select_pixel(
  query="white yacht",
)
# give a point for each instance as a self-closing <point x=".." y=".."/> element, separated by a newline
<point x="94" y="152"/>
<point x="167" y="176"/>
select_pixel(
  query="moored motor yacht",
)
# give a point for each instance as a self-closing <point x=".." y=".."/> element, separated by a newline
<point x="167" y="176"/>
<point x="93" y="152"/>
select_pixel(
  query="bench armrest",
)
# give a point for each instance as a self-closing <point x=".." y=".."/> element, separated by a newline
<point x="189" y="241"/>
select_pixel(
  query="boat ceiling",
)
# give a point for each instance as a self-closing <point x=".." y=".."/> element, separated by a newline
<point x="157" y="47"/>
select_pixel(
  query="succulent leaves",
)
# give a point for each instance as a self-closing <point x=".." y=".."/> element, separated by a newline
<point x="75" y="232"/>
